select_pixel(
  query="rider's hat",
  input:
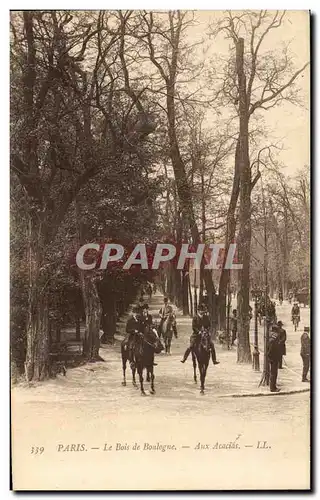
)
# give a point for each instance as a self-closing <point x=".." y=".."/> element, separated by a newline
<point x="201" y="308"/>
<point x="145" y="306"/>
<point x="306" y="329"/>
<point x="280" y="323"/>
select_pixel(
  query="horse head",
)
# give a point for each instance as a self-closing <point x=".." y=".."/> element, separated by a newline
<point x="152" y="338"/>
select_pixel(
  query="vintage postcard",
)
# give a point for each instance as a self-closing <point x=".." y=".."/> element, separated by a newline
<point x="160" y="250"/>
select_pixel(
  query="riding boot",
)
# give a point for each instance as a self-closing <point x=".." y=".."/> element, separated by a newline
<point x="186" y="354"/>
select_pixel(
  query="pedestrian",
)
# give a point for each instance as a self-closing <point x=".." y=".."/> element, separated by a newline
<point x="234" y="326"/>
<point x="305" y="353"/>
<point x="274" y="356"/>
<point x="282" y="342"/>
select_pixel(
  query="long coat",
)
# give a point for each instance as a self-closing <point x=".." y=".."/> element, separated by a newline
<point x="282" y="341"/>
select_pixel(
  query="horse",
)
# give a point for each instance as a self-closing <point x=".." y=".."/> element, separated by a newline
<point x="201" y="354"/>
<point x="166" y="331"/>
<point x="144" y="349"/>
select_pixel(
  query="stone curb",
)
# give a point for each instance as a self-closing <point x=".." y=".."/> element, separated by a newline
<point x="257" y="394"/>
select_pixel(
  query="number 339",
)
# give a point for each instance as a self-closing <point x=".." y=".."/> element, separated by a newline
<point x="35" y="450"/>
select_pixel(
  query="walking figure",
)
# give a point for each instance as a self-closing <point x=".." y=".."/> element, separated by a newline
<point x="305" y="353"/>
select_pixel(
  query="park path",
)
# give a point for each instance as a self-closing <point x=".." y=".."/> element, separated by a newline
<point x="89" y="407"/>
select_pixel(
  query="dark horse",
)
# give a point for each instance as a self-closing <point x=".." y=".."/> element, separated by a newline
<point x="166" y="331"/>
<point x="201" y="354"/>
<point x="144" y="349"/>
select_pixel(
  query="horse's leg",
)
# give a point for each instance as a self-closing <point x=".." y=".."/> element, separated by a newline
<point x="134" y="383"/>
<point x="202" y="377"/>
<point x="152" y="379"/>
<point x="194" y="361"/>
<point x="140" y="371"/>
<point x="169" y="342"/>
<point x="148" y="374"/>
<point x="124" y="366"/>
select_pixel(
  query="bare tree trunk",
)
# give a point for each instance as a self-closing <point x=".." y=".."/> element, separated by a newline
<point x="92" y="307"/>
<point x="91" y="302"/>
<point x="230" y="237"/>
<point x="37" y="355"/>
<point x="244" y="353"/>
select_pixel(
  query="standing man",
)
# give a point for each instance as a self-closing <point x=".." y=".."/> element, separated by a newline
<point x="305" y="353"/>
<point x="274" y="356"/>
<point x="282" y="342"/>
<point x="234" y="325"/>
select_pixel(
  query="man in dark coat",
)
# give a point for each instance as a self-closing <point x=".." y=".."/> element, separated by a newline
<point x="146" y="318"/>
<point x="282" y="342"/>
<point x="134" y="328"/>
<point x="305" y="353"/>
<point x="274" y="356"/>
<point x="200" y="320"/>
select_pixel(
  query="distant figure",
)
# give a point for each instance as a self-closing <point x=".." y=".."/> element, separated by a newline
<point x="174" y="320"/>
<point x="234" y="326"/>
<point x="154" y="288"/>
<point x="282" y="342"/>
<point x="274" y="356"/>
<point x="205" y="300"/>
<point x="140" y="306"/>
<point x="165" y="312"/>
<point x="149" y="290"/>
<point x="295" y="315"/>
<point x="305" y="353"/>
<point x="280" y="297"/>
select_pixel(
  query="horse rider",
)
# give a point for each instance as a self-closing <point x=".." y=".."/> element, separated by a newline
<point x="295" y="311"/>
<point x="200" y="320"/>
<point x="305" y="353"/>
<point x="174" y="321"/>
<point x="146" y="320"/>
<point x="165" y="312"/>
<point x="282" y="342"/>
<point x="274" y="357"/>
<point x="134" y="330"/>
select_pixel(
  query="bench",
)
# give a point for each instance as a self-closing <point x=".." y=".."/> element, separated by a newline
<point x="62" y="354"/>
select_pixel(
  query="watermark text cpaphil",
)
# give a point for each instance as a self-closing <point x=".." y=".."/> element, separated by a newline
<point x="214" y="256"/>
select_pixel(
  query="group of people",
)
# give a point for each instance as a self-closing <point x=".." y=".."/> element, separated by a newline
<point x="141" y="318"/>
